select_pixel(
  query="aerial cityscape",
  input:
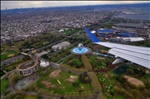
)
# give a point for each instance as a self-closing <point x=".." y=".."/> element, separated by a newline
<point x="75" y="50"/>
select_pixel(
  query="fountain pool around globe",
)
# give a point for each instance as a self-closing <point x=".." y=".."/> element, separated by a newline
<point x="78" y="50"/>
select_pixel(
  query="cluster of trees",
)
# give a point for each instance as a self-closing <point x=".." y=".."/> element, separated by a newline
<point x="78" y="95"/>
<point x="34" y="42"/>
<point x="37" y="41"/>
<point x="94" y="82"/>
<point x="72" y="69"/>
<point x="97" y="64"/>
<point x="101" y="96"/>
<point x="19" y="95"/>
<point x="136" y="72"/>
<point x="84" y="78"/>
<point x="14" y="78"/>
<point x="70" y="32"/>
<point x="106" y="85"/>
<point x="1" y="73"/>
<point x="56" y="56"/>
<point x="66" y="60"/>
<point x="86" y="63"/>
<point x="16" y="95"/>
<point x="130" y="91"/>
<point x="67" y="95"/>
<point x="31" y="87"/>
<point x="123" y="92"/>
<point x="13" y="65"/>
<point x="76" y="63"/>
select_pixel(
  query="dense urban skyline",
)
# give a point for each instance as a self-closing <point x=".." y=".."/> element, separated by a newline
<point x="30" y="4"/>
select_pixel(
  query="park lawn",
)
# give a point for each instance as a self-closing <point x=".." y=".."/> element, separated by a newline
<point x="28" y="96"/>
<point x="65" y="86"/>
<point x="4" y="84"/>
<point x="118" y="97"/>
<point x="12" y="66"/>
<point x="68" y="31"/>
<point x="145" y="77"/>
<point x="5" y="55"/>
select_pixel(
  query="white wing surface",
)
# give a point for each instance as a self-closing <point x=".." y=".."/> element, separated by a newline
<point x="134" y="54"/>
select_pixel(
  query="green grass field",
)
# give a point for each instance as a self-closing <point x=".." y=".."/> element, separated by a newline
<point x="65" y="86"/>
<point x="118" y="97"/>
<point x="5" y="55"/>
<point x="145" y="77"/>
<point x="4" y="84"/>
<point x="30" y="97"/>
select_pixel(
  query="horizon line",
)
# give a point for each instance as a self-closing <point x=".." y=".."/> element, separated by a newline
<point x="74" y="6"/>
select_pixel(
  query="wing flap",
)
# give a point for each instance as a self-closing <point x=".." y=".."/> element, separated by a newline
<point x="142" y="50"/>
<point x="130" y="57"/>
<point x="136" y="54"/>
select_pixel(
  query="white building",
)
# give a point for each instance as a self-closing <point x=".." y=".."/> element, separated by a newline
<point x="93" y="32"/>
<point x="44" y="63"/>
<point x="60" y="46"/>
<point x="130" y="39"/>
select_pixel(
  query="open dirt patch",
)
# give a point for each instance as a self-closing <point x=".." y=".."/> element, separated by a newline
<point x="48" y="84"/>
<point x="11" y="55"/>
<point x="100" y="58"/>
<point x="72" y="78"/>
<point x="55" y="73"/>
<point x="134" y="81"/>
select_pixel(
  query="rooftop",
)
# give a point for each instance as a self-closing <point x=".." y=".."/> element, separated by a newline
<point x="27" y="64"/>
<point x="126" y="34"/>
<point x="106" y="31"/>
<point x="62" y="44"/>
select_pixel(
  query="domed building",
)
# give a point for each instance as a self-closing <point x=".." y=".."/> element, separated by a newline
<point x="80" y="45"/>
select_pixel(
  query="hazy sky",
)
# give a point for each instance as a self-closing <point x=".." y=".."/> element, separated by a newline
<point x="30" y="4"/>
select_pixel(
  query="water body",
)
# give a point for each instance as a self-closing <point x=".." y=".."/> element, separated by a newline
<point x="140" y="14"/>
<point x="77" y="50"/>
<point x="135" y="16"/>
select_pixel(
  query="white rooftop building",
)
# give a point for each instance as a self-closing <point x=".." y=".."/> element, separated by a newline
<point x="93" y="32"/>
<point x="60" y="46"/>
<point x="44" y="63"/>
<point x="131" y="39"/>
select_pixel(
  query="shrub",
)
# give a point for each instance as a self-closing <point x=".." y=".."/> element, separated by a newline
<point x="86" y="63"/>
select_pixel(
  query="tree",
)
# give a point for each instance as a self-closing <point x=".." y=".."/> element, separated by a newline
<point x="14" y="78"/>
<point x="86" y="63"/>
<point x="6" y="47"/>
<point x="62" y="97"/>
<point x="130" y="71"/>
<point x="18" y="97"/>
<point x="75" y="84"/>
<point x="77" y="63"/>
<point x="120" y="79"/>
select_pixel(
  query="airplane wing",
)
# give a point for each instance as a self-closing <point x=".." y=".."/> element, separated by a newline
<point x="134" y="54"/>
